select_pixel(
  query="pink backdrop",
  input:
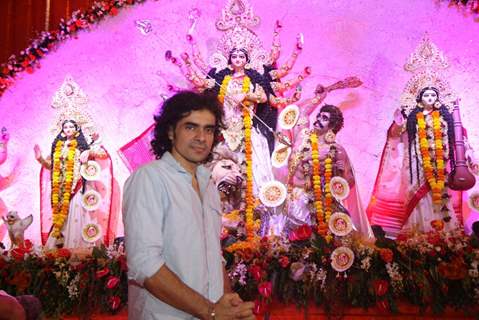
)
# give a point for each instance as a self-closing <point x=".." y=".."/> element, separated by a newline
<point x="122" y="71"/>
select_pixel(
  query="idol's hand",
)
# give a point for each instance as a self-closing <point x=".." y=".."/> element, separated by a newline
<point x="398" y="117"/>
<point x="238" y="98"/>
<point x="37" y="151"/>
<point x="84" y="156"/>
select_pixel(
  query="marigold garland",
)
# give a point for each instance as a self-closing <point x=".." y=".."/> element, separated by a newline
<point x="435" y="177"/>
<point x="323" y="210"/>
<point x="248" y="124"/>
<point x="62" y="180"/>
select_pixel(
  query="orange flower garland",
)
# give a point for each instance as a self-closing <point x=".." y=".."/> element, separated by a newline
<point x="248" y="124"/>
<point x="323" y="211"/>
<point x="435" y="178"/>
<point x="62" y="180"/>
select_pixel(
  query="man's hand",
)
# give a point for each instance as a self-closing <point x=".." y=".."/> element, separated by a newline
<point x="230" y="306"/>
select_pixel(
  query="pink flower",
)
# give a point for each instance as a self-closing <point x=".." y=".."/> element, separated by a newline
<point x="265" y="289"/>
<point x="112" y="282"/>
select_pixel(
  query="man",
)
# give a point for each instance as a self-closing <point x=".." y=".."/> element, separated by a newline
<point x="172" y="218"/>
<point x="303" y="205"/>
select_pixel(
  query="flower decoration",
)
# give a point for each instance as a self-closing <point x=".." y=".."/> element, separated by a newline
<point x="91" y="200"/>
<point x="340" y="224"/>
<point x="473" y="201"/>
<point x="90" y="170"/>
<point x="29" y="58"/>
<point x="288" y="117"/>
<point x="339" y="187"/>
<point x="280" y="156"/>
<point x="273" y="194"/>
<point x="342" y="259"/>
<point x="62" y="184"/>
<point x="435" y="174"/>
<point x="91" y="232"/>
<point x="322" y="202"/>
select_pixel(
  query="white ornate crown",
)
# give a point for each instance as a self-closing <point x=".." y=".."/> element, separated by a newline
<point x="71" y="103"/>
<point x="426" y="62"/>
<point x="236" y="20"/>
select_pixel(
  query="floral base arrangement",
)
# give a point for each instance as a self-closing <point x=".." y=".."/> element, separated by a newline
<point x="432" y="271"/>
<point x="67" y="282"/>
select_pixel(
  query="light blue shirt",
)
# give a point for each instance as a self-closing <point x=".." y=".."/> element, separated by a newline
<point x="166" y="222"/>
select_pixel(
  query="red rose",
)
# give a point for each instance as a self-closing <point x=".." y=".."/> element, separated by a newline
<point x="255" y="272"/>
<point x="380" y="287"/>
<point x="301" y="233"/>
<point x="283" y="261"/>
<point x="265" y="289"/>
<point x="112" y="282"/>
<point x="114" y="302"/>
<point x="386" y="255"/>
<point x="64" y="253"/>
<point x="434" y="239"/>
<point x="101" y="273"/>
<point x="24" y="248"/>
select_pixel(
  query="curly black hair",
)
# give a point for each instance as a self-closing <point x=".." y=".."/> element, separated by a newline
<point x="82" y="144"/>
<point x="176" y="108"/>
<point x="411" y="126"/>
<point x="336" y="120"/>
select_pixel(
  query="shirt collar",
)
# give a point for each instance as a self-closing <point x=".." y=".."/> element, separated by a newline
<point x="202" y="173"/>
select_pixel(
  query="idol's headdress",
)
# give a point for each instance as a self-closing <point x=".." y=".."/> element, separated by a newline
<point x="426" y="64"/>
<point x="71" y="103"/>
<point x="236" y="21"/>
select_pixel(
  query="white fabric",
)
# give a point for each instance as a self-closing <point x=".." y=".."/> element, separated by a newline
<point x="167" y="223"/>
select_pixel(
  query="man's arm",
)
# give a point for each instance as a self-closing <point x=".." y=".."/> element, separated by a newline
<point x="166" y="286"/>
<point x="143" y="212"/>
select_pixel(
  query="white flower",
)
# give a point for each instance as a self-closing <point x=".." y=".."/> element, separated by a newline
<point x="366" y="264"/>
<point x="73" y="287"/>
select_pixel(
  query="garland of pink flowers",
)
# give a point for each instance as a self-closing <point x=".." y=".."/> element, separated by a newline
<point x="29" y="59"/>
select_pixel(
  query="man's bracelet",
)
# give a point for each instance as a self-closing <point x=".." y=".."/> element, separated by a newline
<point x="211" y="311"/>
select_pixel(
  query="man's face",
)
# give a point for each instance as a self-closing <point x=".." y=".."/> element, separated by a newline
<point x="238" y="59"/>
<point x="193" y="136"/>
<point x="322" y="122"/>
<point x="429" y="97"/>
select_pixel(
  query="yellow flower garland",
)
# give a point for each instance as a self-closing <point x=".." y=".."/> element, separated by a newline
<point x="62" y="180"/>
<point x="435" y="178"/>
<point x="248" y="124"/>
<point x="323" y="210"/>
